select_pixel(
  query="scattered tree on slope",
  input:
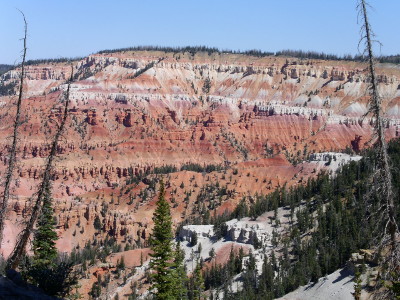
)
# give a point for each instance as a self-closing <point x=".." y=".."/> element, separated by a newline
<point x="161" y="245"/>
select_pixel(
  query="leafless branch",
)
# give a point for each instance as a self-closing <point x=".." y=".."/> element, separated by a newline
<point x="20" y="247"/>
<point x="13" y="149"/>
<point x="382" y="178"/>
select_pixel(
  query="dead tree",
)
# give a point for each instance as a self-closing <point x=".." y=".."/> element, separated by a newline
<point x="13" y="149"/>
<point x="20" y="247"/>
<point x="389" y="239"/>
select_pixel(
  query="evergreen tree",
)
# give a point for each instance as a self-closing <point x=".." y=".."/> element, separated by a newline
<point x="193" y="239"/>
<point x="180" y="276"/>
<point x="197" y="283"/>
<point x="95" y="292"/>
<point x="44" y="243"/>
<point x="161" y="245"/>
<point x="212" y="253"/>
<point x="97" y="223"/>
<point x="250" y="275"/>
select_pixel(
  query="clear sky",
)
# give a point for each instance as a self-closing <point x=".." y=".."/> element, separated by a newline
<point x="80" y="27"/>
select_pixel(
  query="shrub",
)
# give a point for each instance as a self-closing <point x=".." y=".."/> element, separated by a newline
<point x="56" y="280"/>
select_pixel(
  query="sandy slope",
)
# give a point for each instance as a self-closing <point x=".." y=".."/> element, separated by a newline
<point x="338" y="285"/>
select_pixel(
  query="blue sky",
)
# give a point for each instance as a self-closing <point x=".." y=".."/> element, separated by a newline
<point x="77" y="28"/>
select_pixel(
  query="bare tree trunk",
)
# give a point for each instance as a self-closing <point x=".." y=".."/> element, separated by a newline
<point x="20" y="247"/>
<point x="388" y="246"/>
<point x="13" y="150"/>
<point x="385" y="175"/>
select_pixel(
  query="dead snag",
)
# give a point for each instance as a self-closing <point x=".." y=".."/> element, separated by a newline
<point x="388" y="239"/>
<point x="20" y="247"/>
<point x="13" y="149"/>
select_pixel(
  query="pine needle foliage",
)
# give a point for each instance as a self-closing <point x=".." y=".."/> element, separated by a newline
<point x="44" y="243"/>
<point x="181" y="279"/>
<point x="196" y="286"/>
<point x="161" y="245"/>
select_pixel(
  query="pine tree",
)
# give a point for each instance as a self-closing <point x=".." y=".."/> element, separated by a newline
<point x="55" y="278"/>
<point x="44" y="243"/>
<point x="121" y="264"/>
<point x="197" y="283"/>
<point x="161" y="245"/>
<point x="180" y="274"/>
<point x="193" y="239"/>
<point x="97" y="223"/>
<point x="212" y="253"/>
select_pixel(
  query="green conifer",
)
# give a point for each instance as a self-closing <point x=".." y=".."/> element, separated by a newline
<point x="181" y="278"/>
<point x="197" y="283"/>
<point x="161" y="245"/>
<point x="44" y="243"/>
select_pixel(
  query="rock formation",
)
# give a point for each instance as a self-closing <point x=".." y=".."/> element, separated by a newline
<point x="256" y="117"/>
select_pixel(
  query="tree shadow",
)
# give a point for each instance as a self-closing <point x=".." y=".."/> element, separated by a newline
<point x="346" y="272"/>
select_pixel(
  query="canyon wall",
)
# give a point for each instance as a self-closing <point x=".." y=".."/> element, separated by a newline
<point x="258" y="118"/>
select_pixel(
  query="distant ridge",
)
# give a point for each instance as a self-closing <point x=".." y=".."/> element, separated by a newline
<point x="394" y="59"/>
<point x="5" y="68"/>
<point x="258" y="53"/>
